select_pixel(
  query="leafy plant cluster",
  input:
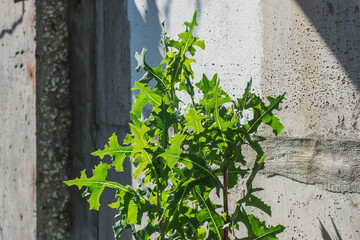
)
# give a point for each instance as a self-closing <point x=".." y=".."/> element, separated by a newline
<point x="182" y="155"/>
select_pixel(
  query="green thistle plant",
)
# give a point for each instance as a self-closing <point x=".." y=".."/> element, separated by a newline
<point x="180" y="156"/>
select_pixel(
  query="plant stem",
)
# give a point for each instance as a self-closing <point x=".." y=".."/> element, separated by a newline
<point x="225" y="198"/>
<point x="195" y="236"/>
<point x="158" y="200"/>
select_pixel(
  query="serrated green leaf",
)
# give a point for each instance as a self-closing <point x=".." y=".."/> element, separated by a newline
<point x="140" y="145"/>
<point x="218" y="99"/>
<point x="146" y="95"/>
<point x="96" y="184"/>
<point x="173" y="152"/>
<point x="200" y="43"/>
<point x="261" y="231"/>
<point x="215" y="98"/>
<point x="201" y="233"/>
<point x="258" y="203"/>
<point x="129" y="209"/>
<point x="205" y="85"/>
<point x="150" y="73"/>
<point x="132" y="213"/>
<point x="118" y="228"/>
<point x="187" y="65"/>
<point x="263" y="114"/>
<point x="242" y="103"/>
<point x="235" y="174"/>
<point x="140" y="58"/>
<point x="117" y="152"/>
<point x="208" y="212"/>
<point x="193" y="120"/>
<point x="163" y="120"/>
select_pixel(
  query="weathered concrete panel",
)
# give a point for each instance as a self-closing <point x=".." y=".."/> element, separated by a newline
<point x="17" y="121"/>
<point x="302" y="57"/>
<point x="310" y="51"/>
<point x="304" y="208"/>
<point x="332" y="163"/>
<point x="100" y="95"/>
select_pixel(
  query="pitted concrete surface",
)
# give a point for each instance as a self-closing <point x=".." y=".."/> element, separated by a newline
<point x="17" y="121"/>
<point x="308" y="211"/>
<point x="310" y="51"/>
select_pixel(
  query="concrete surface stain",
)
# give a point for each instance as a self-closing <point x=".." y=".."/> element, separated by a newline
<point x="31" y="73"/>
<point x="330" y="8"/>
<point x="31" y="17"/>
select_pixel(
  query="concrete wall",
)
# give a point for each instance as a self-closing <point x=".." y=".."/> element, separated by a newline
<point x="17" y="120"/>
<point x="311" y="51"/>
<point x="100" y="96"/>
<point x="308" y="49"/>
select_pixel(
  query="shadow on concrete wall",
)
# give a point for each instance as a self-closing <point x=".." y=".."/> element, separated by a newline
<point x="16" y="23"/>
<point x="145" y="33"/>
<point x="100" y="98"/>
<point x="325" y="233"/>
<point x="338" y="23"/>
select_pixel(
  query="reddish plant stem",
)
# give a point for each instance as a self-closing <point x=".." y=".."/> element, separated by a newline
<point x="225" y="196"/>
<point x="158" y="200"/>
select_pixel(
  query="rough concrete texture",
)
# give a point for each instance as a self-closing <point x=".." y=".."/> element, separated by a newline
<point x="17" y="121"/>
<point x="53" y="119"/>
<point x="100" y="95"/>
<point x="309" y="211"/>
<point x="310" y="51"/>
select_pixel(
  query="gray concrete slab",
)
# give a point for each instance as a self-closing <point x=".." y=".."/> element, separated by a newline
<point x="17" y="121"/>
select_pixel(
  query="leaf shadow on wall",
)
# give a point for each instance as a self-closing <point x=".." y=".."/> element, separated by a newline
<point x="146" y="33"/>
<point x="325" y="233"/>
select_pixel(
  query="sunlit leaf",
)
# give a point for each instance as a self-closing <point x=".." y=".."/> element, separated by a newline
<point x="146" y="95"/>
<point x="96" y="184"/>
<point x="193" y="120"/>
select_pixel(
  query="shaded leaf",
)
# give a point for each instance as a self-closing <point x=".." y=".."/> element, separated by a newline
<point x="117" y="152"/>
<point x="208" y="213"/>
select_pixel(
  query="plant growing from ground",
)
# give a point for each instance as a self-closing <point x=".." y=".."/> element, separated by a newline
<point x="182" y="154"/>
